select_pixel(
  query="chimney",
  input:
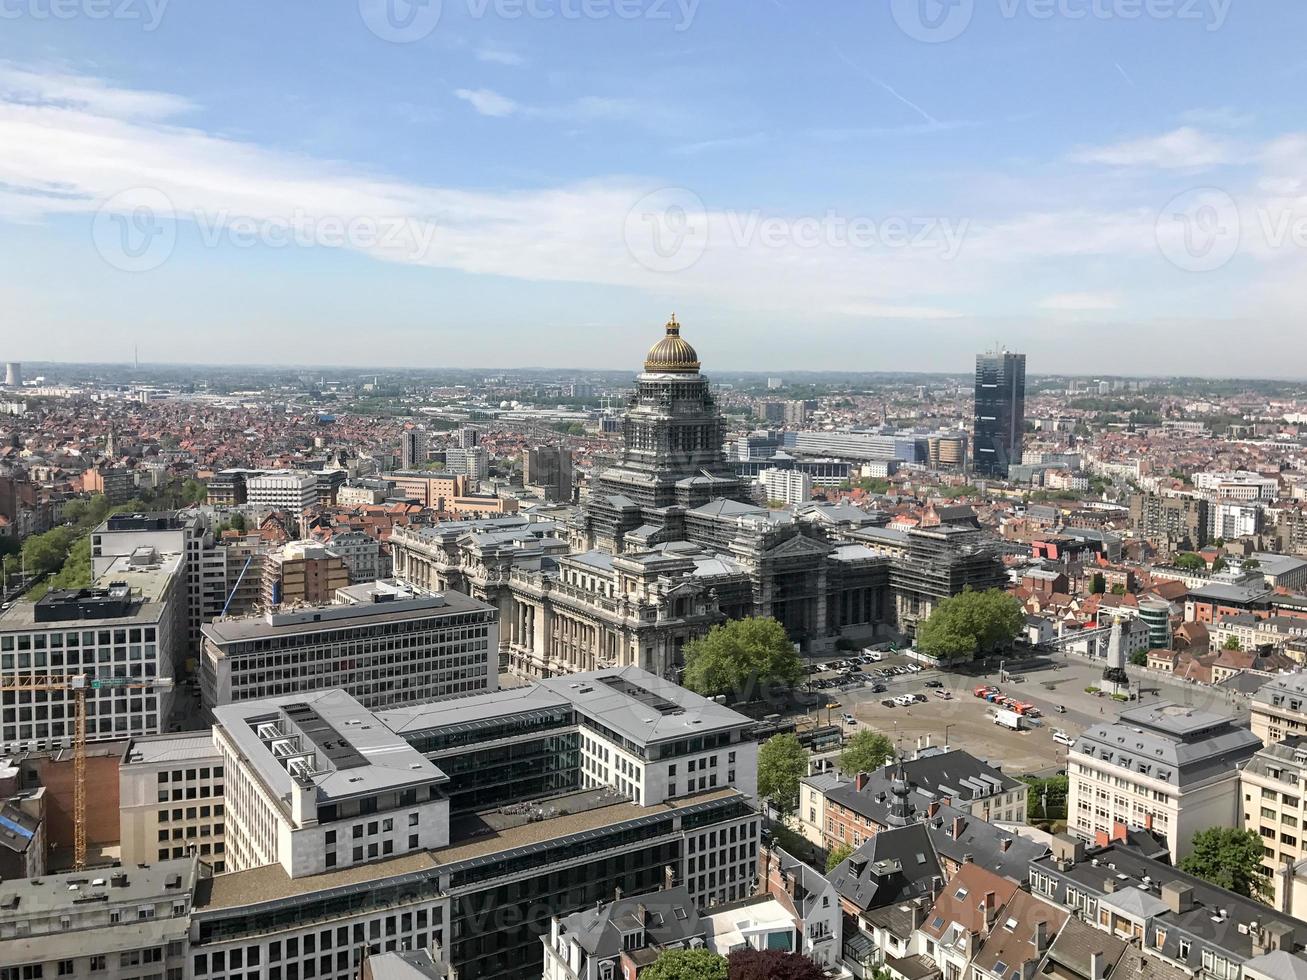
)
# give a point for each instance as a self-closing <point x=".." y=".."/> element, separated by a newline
<point x="860" y="782"/>
<point x="1041" y="935"/>
<point x="1178" y="896"/>
<point x="617" y="894"/>
<point x="1148" y="821"/>
<point x="932" y="808"/>
<point x="1109" y="886"/>
<point x="990" y="908"/>
<point x="642" y="913"/>
<point x="1096" y="965"/>
<point x="1005" y="843"/>
<point x="669" y="878"/>
<point x="966" y="858"/>
<point x="956" y="832"/>
<point x="790" y="883"/>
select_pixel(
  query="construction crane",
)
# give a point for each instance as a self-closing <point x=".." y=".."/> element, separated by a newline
<point x="79" y="684"/>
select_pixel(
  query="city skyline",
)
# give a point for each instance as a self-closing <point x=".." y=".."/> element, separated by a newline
<point x="1093" y="194"/>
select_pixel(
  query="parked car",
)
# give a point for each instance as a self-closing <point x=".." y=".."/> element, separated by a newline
<point x="849" y="719"/>
<point x="870" y="655"/>
<point x="943" y="695"/>
<point x="878" y="688"/>
<point x="1063" y="738"/>
<point x="934" y="683"/>
<point x="914" y="668"/>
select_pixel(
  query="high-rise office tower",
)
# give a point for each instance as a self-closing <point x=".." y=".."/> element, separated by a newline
<point x="412" y="449"/>
<point x="469" y="437"/>
<point x="1000" y="416"/>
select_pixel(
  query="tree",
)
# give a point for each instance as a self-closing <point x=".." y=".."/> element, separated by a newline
<point x="1218" y="565"/>
<point x="1189" y="562"/>
<point x="193" y="491"/>
<point x="1118" y="589"/>
<point x="1230" y="858"/>
<point x="1046" y="798"/>
<point x="970" y="623"/>
<point x="771" y="964"/>
<point x="737" y="657"/>
<point x="782" y="762"/>
<point x="1231" y="643"/>
<point x="686" y="964"/>
<point x="1251" y="564"/>
<point x="837" y="855"/>
<point x="1097" y="586"/>
<point x="1139" y="658"/>
<point x="866" y="751"/>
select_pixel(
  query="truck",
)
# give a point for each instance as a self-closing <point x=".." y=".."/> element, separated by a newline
<point x="1008" y="719"/>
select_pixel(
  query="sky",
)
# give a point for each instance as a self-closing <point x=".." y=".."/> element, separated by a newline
<point x="1110" y="186"/>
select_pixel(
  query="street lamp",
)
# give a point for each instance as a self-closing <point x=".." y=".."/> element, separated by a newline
<point x="946" y="728"/>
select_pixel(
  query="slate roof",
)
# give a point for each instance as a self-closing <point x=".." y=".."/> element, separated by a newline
<point x="893" y="866"/>
<point x="670" y="919"/>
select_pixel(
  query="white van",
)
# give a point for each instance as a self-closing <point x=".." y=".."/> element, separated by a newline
<point x="1062" y="738"/>
<point x="871" y="654"/>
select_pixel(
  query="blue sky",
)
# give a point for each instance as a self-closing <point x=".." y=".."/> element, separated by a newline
<point x="1109" y="185"/>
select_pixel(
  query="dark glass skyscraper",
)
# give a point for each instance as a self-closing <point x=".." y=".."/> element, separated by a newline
<point x="1000" y="412"/>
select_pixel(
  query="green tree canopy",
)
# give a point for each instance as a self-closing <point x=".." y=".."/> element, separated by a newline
<point x="771" y="964"/>
<point x="837" y="855"/>
<point x="782" y="762"/>
<point x="970" y="623"/>
<point x="866" y="751"/>
<point x="741" y="658"/>
<point x="1230" y="858"/>
<point x="686" y="964"/>
<point x="1231" y="643"/>
<point x="1189" y="562"/>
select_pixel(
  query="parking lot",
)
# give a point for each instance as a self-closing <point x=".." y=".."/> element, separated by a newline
<point x="946" y="710"/>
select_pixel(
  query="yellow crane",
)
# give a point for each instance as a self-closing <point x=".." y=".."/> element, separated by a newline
<point x="78" y="684"/>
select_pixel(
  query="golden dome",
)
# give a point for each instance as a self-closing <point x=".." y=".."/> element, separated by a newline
<point x="672" y="354"/>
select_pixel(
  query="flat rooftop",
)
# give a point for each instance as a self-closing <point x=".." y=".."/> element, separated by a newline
<point x="148" y="583"/>
<point x="361" y="612"/>
<point x="178" y="747"/>
<point x="25" y="899"/>
<point x="351" y="752"/>
<point x="270" y="883"/>
<point x="640" y="705"/>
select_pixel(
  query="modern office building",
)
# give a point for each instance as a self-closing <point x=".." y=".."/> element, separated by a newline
<point x="430" y="490"/>
<point x="1273" y="785"/>
<point x="320" y="896"/>
<point x="294" y="491"/>
<point x="312" y="784"/>
<point x="383" y="644"/>
<point x="123" y="642"/>
<point x="862" y="445"/>
<point x="1167" y="768"/>
<point x="1000" y="412"/>
<point x="185" y="533"/>
<point x="171" y="800"/>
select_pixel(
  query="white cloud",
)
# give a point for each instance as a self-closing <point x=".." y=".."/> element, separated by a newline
<point x="495" y="55"/>
<point x="486" y="102"/>
<point x="55" y="88"/>
<point x="1184" y="148"/>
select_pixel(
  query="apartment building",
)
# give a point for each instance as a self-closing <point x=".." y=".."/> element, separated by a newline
<point x="469" y="461"/>
<point x="121" y="642"/>
<point x="302" y="572"/>
<point x="1180" y="523"/>
<point x="1165" y="767"/>
<point x="121" y="924"/>
<point x="1180" y="923"/>
<point x="427" y="489"/>
<point x="1278" y="709"/>
<point x="294" y="491"/>
<point x="786" y="486"/>
<point x="171" y="800"/>
<point x="383" y="644"/>
<point x="857" y="810"/>
<point x="1272" y="785"/>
